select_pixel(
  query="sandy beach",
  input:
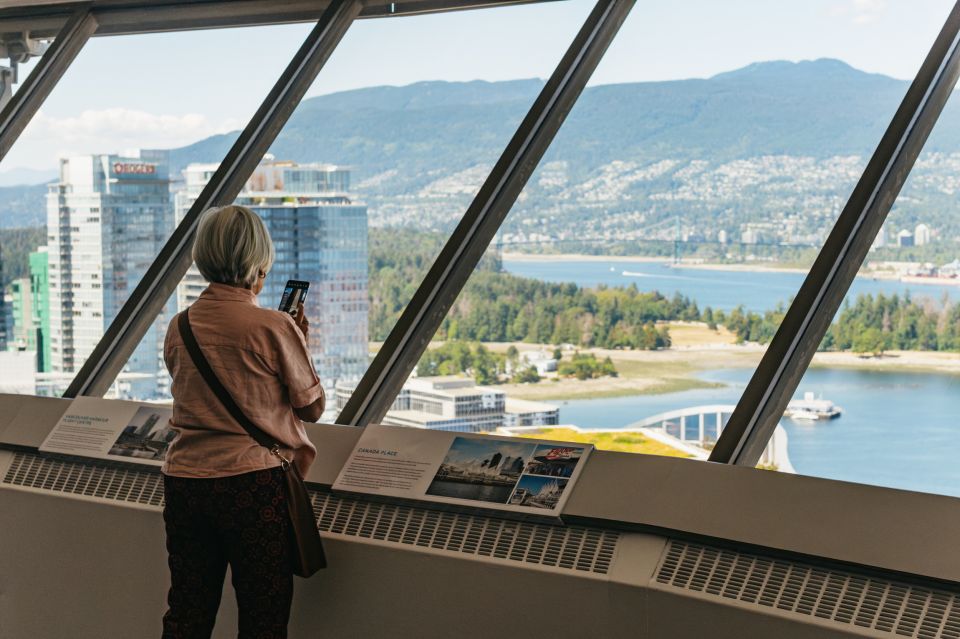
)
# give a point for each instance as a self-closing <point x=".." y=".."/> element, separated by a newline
<point x="579" y="257"/>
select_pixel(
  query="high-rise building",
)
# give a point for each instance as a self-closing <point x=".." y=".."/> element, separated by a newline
<point x="3" y="308"/>
<point x="320" y="236"/>
<point x="921" y="234"/>
<point x="40" y="306"/>
<point x="107" y="218"/>
<point x="20" y="335"/>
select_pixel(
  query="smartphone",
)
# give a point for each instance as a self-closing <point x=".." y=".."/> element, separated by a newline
<point x="294" y="293"/>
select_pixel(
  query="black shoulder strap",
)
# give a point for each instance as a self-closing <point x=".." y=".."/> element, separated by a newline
<point x="211" y="378"/>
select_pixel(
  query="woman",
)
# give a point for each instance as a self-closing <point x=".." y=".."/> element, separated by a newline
<point x="225" y="497"/>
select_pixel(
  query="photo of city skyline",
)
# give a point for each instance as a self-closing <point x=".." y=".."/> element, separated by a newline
<point x="480" y="470"/>
<point x="535" y="491"/>
<point x="147" y="436"/>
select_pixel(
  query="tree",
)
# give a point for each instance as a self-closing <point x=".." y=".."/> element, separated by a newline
<point x="528" y="375"/>
<point x="871" y="341"/>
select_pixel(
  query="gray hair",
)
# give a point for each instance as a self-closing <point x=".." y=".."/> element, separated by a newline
<point x="232" y="246"/>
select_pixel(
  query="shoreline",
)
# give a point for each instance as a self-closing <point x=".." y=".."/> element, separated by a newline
<point x="580" y="257"/>
<point x="718" y="266"/>
<point x="679" y="369"/>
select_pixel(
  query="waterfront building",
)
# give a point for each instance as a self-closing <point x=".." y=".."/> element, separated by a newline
<point x="905" y="238"/>
<point x="522" y="412"/>
<point x="921" y="235"/>
<point x="320" y="236"/>
<point x="881" y="240"/>
<point x="442" y="403"/>
<point x="107" y="219"/>
<point x="543" y="361"/>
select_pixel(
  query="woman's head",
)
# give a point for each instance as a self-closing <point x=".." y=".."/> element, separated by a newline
<point x="233" y="247"/>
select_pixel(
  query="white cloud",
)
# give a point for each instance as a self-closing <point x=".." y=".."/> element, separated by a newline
<point x="110" y="131"/>
<point x="859" y="11"/>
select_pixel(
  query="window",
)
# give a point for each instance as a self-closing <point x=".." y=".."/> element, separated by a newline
<point x="86" y="193"/>
<point x="878" y="404"/>
<point x="636" y="283"/>
<point x="378" y="163"/>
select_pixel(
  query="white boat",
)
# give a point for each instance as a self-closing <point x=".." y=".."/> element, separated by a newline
<point x="811" y="408"/>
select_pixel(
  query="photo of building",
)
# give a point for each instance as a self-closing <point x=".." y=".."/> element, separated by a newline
<point x="480" y="470"/>
<point x="554" y="461"/>
<point x="147" y="436"/>
<point x="538" y="492"/>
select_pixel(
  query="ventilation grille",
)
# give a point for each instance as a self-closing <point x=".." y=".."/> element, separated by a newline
<point x="874" y="604"/>
<point x="89" y="478"/>
<point x="571" y="547"/>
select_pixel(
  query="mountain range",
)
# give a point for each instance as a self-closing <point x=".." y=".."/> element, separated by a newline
<point x="643" y="150"/>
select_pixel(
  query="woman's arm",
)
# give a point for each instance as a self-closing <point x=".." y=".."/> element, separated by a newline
<point x="312" y="412"/>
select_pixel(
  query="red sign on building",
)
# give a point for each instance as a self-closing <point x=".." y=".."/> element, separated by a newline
<point x="134" y="168"/>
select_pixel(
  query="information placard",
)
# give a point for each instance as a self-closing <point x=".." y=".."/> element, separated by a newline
<point x="482" y="471"/>
<point x="113" y="429"/>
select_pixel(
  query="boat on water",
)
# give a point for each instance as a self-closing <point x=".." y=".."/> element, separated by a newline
<point x="811" y="408"/>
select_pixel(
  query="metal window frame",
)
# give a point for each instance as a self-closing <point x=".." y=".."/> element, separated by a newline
<point x="809" y="317"/>
<point x="55" y="61"/>
<point x="161" y="279"/>
<point x="457" y="260"/>
<point x="151" y="16"/>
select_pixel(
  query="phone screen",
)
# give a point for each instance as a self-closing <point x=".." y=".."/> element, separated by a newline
<point x="294" y="293"/>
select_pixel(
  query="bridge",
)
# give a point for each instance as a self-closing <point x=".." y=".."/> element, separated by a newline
<point x="697" y="428"/>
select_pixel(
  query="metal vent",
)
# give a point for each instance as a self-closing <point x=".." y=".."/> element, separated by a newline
<point x="89" y="478"/>
<point x="874" y="604"/>
<point x="570" y="547"/>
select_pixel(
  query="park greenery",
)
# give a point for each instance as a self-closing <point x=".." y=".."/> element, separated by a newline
<point x="456" y="357"/>
<point x="499" y="307"/>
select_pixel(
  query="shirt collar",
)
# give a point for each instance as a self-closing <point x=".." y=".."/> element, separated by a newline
<point x="227" y="293"/>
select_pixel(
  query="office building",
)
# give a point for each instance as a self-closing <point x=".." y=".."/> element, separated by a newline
<point x="107" y="218"/>
<point x="20" y="337"/>
<point x="457" y="404"/>
<point x="523" y="412"/>
<point x="320" y="236"/>
<point x="921" y="234"/>
<point x="905" y="239"/>
<point x="40" y="306"/>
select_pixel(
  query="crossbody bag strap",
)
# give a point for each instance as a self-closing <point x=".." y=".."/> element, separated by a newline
<point x="196" y="354"/>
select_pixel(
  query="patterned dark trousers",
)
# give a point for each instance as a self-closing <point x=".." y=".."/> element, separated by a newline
<point x="241" y="521"/>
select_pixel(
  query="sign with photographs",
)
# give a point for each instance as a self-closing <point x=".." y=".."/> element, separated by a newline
<point x="486" y="471"/>
<point x="113" y="429"/>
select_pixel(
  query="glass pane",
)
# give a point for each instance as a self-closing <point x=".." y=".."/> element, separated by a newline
<point x="638" y="280"/>
<point x="101" y="160"/>
<point x="879" y="403"/>
<point x="366" y="182"/>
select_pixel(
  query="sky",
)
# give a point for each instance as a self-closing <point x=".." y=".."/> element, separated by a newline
<point x="167" y="90"/>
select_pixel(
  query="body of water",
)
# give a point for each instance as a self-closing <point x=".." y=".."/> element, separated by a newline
<point x="900" y="430"/>
<point x="476" y="492"/>
<point x="757" y="291"/>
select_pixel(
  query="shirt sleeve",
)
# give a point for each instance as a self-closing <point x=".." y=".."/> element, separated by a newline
<point x="295" y="367"/>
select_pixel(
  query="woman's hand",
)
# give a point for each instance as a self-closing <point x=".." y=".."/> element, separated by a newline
<point x="301" y="320"/>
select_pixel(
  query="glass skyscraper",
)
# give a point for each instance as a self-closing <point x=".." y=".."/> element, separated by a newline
<point x="320" y="235"/>
<point x="107" y="218"/>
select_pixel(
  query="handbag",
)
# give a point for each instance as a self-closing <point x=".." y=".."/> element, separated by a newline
<point x="308" y="556"/>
